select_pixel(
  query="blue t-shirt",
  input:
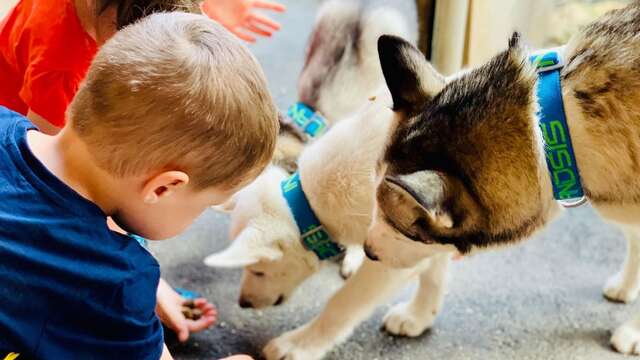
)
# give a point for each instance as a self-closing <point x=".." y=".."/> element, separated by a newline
<point x="69" y="287"/>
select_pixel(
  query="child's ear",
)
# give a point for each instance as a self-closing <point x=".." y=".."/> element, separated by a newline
<point x="163" y="185"/>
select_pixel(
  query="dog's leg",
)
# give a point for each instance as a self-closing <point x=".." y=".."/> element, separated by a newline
<point x="625" y="285"/>
<point x="626" y="338"/>
<point x="412" y="318"/>
<point x="352" y="261"/>
<point x="372" y="284"/>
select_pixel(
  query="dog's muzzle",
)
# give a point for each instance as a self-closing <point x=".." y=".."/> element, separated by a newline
<point x="370" y="253"/>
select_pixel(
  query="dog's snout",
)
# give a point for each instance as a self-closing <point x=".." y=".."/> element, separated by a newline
<point x="370" y="253"/>
<point x="279" y="301"/>
<point x="244" y="303"/>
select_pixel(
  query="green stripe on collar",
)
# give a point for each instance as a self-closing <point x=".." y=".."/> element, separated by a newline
<point x="308" y="120"/>
<point x="561" y="160"/>
<point x="314" y="237"/>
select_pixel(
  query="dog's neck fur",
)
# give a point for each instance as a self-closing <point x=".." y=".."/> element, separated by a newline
<point x="338" y="171"/>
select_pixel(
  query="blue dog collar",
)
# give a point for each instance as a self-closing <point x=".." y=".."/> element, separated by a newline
<point x="308" y="120"/>
<point x="314" y="236"/>
<point x="142" y="241"/>
<point x="561" y="160"/>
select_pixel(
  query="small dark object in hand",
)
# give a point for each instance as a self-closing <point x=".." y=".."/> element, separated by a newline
<point x="190" y="311"/>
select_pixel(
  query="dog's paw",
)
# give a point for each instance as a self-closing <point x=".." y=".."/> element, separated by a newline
<point x="351" y="262"/>
<point x="292" y="346"/>
<point x="402" y="320"/>
<point x="626" y="339"/>
<point x="617" y="290"/>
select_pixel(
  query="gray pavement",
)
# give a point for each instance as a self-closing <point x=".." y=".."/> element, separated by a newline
<point x="539" y="300"/>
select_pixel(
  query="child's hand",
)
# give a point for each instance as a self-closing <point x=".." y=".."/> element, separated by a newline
<point x="169" y="310"/>
<point x="239" y="18"/>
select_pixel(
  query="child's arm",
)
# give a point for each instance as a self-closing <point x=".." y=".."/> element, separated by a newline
<point x="42" y="123"/>
<point x="166" y="355"/>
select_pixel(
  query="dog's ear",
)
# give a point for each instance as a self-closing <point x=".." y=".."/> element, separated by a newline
<point x="517" y="50"/>
<point x="248" y="248"/>
<point x="410" y="78"/>
<point x="437" y="216"/>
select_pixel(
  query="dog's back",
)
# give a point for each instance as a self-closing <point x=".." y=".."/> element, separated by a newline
<point x="602" y="93"/>
<point x="342" y="68"/>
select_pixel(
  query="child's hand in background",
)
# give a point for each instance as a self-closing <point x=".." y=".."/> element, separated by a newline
<point x="239" y="17"/>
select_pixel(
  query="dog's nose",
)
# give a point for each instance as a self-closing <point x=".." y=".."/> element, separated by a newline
<point x="279" y="301"/>
<point x="245" y="304"/>
<point x="370" y="253"/>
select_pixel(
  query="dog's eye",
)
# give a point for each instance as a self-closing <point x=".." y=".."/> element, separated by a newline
<point x="257" y="273"/>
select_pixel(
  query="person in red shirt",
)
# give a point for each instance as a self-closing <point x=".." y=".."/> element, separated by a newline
<point x="46" y="47"/>
<point x="44" y="54"/>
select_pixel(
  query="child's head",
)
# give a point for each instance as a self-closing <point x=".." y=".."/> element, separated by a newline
<point x="178" y="106"/>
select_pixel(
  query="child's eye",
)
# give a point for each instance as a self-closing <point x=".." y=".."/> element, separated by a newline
<point x="257" y="273"/>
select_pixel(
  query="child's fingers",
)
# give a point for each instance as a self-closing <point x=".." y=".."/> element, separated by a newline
<point x="182" y="332"/>
<point x="208" y="309"/>
<point x="246" y="37"/>
<point x="199" y="302"/>
<point x="257" y="30"/>
<point x="203" y="304"/>
<point x="200" y="324"/>
<point x="269" y="5"/>
<point x="205" y="9"/>
<point x="256" y="19"/>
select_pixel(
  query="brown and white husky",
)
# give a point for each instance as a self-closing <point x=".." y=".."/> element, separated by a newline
<point x="464" y="168"/>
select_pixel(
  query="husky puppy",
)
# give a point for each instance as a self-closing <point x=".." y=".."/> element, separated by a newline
<point x="341" y="68"/>
<point x="341" y="71"/>
<point x="337" y="173"/>
<point x="465" y="164"/>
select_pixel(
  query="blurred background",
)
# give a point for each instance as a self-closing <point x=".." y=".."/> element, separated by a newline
<point x="461" y="33"/>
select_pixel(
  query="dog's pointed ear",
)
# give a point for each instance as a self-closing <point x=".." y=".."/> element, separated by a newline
<point x="247" y="249"/>
<point x="517" y="49"/>
<point x="410" y="78"/>
<point x="515" y="41"/>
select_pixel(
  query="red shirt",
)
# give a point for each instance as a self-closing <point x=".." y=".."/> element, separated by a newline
<point x="44" y="55"/>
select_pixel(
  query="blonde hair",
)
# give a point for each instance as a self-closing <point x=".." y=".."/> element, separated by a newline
<point x="177" y="91"/>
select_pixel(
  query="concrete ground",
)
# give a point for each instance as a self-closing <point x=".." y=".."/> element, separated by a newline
<point x="539" y="300"/>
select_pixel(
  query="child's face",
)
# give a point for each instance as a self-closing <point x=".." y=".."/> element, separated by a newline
<point x="171" y="213"/>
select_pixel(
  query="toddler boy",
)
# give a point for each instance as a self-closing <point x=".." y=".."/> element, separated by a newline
<point x="173" y="116"/>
